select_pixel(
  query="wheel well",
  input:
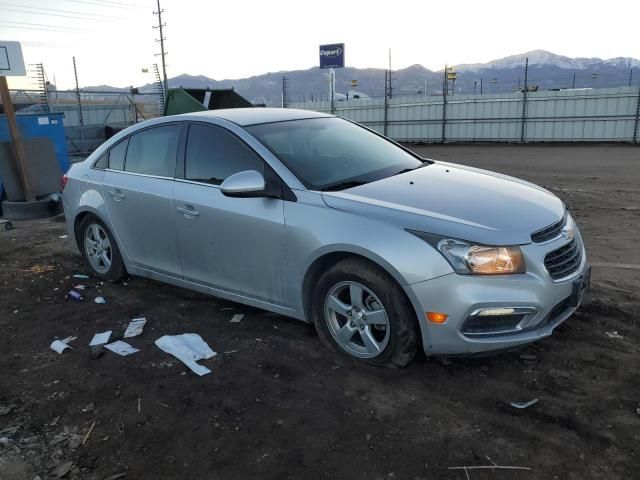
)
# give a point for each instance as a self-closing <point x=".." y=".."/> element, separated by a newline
<point x="76" y="225"/>
<point x="322" y="263"/>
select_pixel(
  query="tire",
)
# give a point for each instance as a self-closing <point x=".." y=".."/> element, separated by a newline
<point x="90" y="228"/>
<point x="381" y="330"/>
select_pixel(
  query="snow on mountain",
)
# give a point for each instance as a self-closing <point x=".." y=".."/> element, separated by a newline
<point x="543" y="57"/>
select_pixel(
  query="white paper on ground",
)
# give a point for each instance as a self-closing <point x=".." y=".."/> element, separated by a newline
<point x="236" y="318"/>
<point x="188" y="348"/>
<point x="121" y="348"/>
<point x="59" y="346"/>
<point x="100" y="338"/>
<point x="135" y="327"/>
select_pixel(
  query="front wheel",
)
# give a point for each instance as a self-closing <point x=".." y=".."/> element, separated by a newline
<point x="99" y="249"/>
<point x="362" y="312"/>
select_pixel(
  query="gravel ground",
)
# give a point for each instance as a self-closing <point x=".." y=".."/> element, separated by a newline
<point x="278" y="405"/>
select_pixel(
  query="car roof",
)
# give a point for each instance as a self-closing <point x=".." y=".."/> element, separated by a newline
<point x="253" y="116"/>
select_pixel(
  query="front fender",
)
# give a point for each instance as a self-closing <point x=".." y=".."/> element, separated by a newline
<point x="314" y="230"/>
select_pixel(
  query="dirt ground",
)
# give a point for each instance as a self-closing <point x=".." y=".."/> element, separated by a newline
<point x="278" y="405"/>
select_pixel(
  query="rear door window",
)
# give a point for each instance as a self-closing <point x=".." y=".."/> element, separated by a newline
<point x="213" y="154"/>
<point x="153" y="151"/>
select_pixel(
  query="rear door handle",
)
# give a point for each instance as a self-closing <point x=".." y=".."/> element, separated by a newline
<point x="117" y="195"/>
<point x="188" y="211"/>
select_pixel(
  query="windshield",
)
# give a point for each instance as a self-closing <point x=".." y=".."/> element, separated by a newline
<point x="331" y="153"/>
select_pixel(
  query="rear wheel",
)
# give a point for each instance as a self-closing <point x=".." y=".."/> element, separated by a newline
<point x="362" y="312"/>
<point x="99" y="249"/>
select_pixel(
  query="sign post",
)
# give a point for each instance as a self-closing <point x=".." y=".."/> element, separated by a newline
<point x="332" y="57"/>
<point x="12" y="64"/>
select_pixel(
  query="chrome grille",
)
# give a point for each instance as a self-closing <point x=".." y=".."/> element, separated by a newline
<point x="550" y="232"/>
<point x="564" y="261"/>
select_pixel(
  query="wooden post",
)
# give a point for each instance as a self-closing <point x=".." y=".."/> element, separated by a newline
<point x="16" y="139"/>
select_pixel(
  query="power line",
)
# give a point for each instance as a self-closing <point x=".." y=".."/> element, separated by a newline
<point x="59" y="15"/>
<point x="46" y="26"/>
<point x="41" y="29"/>
<point x="39" y="10"/>
<point x="109" y="4"/>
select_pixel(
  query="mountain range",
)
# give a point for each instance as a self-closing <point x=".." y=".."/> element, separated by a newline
<point x="546" y="71"/>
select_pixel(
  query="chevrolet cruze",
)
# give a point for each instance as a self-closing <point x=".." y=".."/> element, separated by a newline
<point x="317" y="218"/>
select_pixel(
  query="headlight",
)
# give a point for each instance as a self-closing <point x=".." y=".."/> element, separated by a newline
<point x="467" y="258"/>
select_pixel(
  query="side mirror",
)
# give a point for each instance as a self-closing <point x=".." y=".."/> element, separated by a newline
<point x="244" y="184"/>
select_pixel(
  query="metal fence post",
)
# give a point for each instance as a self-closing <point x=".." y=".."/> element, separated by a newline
<point x="386" y="103"/>
<point x="524" y="101"/>
<point x="332" y="90"/>
<point x="635" y="126"/>
<point x="445" y="87"/>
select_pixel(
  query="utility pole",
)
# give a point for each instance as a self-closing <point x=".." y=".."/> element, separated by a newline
<point x="630" y="76"/>
<point x="80" y="118"/>
<point x="475" y="84"/>
<point x="162" y="52"/>
<point x="573" y="85"/>
<point x="480" y="85"/>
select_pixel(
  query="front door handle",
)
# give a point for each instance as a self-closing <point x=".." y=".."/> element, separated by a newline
<point x="117" y="195"/>
<point x="188" y="211"/>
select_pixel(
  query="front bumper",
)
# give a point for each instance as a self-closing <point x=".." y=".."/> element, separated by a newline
<point x="547" y="302"/>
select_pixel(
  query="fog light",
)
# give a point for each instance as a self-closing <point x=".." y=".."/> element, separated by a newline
<point x="490" y="312"/>
<point x="437" y="317"/>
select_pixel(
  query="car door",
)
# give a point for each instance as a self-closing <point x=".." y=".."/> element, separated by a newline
<point x="138" y="187"/>
<point x="233" y="244"/>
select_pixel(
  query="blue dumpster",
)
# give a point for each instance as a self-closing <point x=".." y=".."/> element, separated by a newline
<point x="41" y="125"/>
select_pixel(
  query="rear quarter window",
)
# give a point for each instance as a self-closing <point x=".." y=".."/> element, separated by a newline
<point x="117" y="155"/>
<point x="102" y="162"/>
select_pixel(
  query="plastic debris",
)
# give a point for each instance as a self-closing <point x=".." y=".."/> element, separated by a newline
<point x="60" y="346"/>
<point x="100" y="338"/>
<point x="135" y="327"/>
<point x="73" y="295"/>
<point x="79" y="287"/>
<point x="121" y="348"/>
<point x="62" y="237"/>
<point x="100" y="300"/>
<point x="524" y="405"/>
<point x="188" y="348"/>
<point x="237" y="318"/>
<point x="81" y="276"/>
<point x="614" y="334"/>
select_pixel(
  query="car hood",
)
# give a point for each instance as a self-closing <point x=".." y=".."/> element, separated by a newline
<point x="457" y="201"/>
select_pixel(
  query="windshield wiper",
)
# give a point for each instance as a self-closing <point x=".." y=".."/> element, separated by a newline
<point x="343" y="185"/>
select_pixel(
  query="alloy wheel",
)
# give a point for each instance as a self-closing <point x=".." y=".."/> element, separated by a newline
<point x="98" y="248"/>
<point x="357" y="319"/>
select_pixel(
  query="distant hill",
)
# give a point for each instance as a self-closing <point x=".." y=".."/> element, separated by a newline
<point x="546" y="69"/>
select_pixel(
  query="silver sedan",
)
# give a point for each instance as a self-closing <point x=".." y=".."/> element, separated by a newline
<point x="317" y="218"/>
